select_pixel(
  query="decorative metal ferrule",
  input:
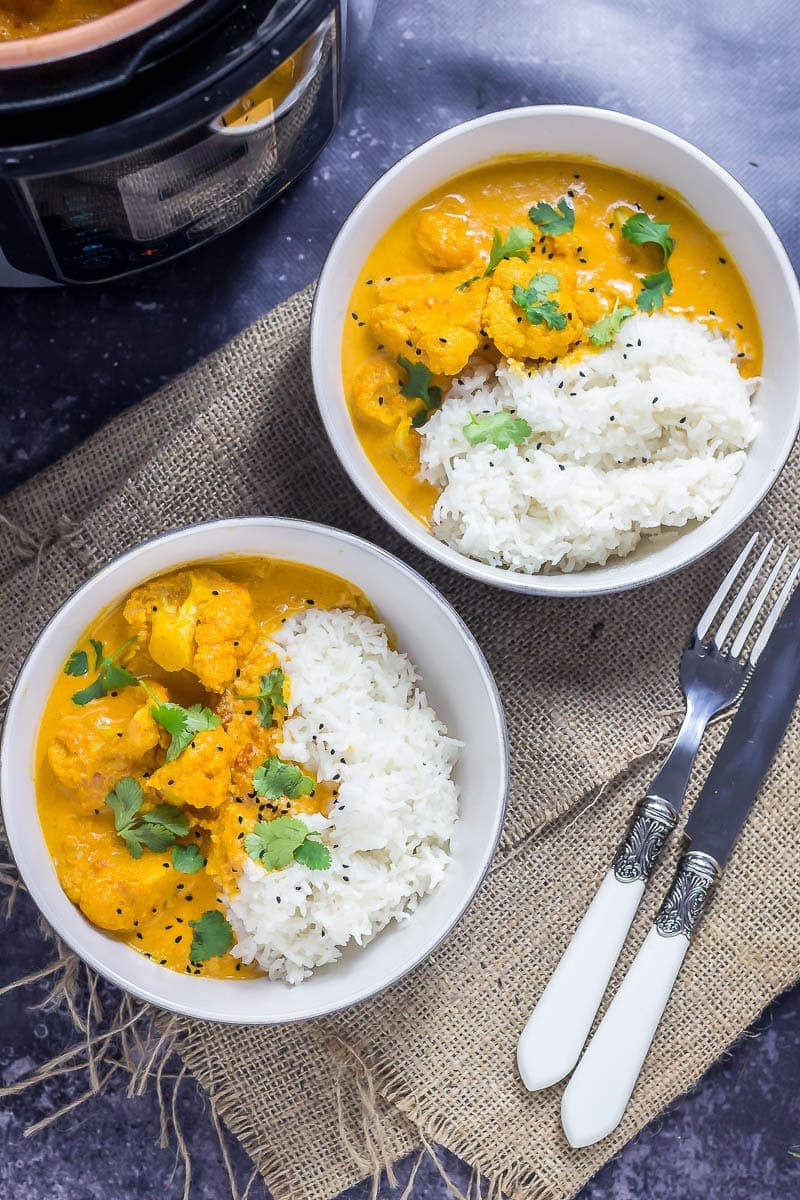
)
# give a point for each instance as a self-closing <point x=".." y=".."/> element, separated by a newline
<point x="653" y="821"/>
<point x="687" y="899"/>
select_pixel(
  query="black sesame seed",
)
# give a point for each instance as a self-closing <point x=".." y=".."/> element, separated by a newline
<point x="178" y="939"/>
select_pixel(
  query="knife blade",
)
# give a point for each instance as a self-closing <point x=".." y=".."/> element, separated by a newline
<point x="750" y="744"/>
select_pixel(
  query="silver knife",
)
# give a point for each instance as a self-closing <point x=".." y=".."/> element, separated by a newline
<point x="601" y="1085"/>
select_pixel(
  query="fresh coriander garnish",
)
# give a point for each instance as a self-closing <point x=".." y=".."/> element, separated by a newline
<point x="500" y="428"/>
<point x="516" y="244"/>
<point x="211" y="938"/>
<point x="553" y="221"/>
<point x="654" y="290"/>
<point x="601" y="333"/>
<point x="534" y="302"/>
<point x="156" y="829"/>
<point x="77" y="663"/>
<point x="276" y="779"/>
<point x="182" y="723"/>
<point x="270" y="696"/>
<point x="276" y="843"/>
<point x="188" y="859"/>
<point x="418" y="387"/>
<point x="110" y="676"/>
<point x="642" y="230"/>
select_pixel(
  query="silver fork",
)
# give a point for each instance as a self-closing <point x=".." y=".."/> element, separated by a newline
<point x="714" y="671"/>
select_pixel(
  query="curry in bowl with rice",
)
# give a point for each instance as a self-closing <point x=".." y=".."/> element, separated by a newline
<point x="237" y="774"/>
<point x="550" y="361"/>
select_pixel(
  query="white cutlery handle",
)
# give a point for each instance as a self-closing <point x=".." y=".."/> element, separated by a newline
<point x="557" y="1028"/>
<point x="553" y="1038"/>
<point x="598" y="1092"/>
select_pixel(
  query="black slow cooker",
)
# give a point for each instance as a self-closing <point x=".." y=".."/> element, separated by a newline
<point x="187" y="117"/>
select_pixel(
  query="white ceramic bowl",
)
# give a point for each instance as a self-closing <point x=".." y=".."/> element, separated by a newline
<point x="632" y="145"/>
<point x="459" y="685"/>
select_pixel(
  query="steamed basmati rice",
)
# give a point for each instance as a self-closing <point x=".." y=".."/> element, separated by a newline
<point x="646" y="434"/>
<point x="358" y="716"/>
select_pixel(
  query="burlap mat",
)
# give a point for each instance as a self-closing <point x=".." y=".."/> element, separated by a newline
<point x="589" y="687"/>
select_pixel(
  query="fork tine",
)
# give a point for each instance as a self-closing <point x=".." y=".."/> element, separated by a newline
<point x="741" y="596"/>
<point x="777" y="609"/>
<point x="750" y="619"/>
<point x="704" y="623"/>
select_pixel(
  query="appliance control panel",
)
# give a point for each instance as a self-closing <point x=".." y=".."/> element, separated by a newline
<point x="109" y="220"/>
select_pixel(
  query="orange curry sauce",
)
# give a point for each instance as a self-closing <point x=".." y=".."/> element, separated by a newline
<point x="209" y="623"/>
<point x="407" y="303"/>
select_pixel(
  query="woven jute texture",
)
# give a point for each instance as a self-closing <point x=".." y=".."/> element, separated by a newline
<point x="589" y="687"/>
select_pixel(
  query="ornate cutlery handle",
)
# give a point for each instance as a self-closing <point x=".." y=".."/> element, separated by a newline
<point x="553" y="1038"/>
<point x="598" y="1092"/>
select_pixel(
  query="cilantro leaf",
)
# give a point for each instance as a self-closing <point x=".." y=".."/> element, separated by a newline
<point x="654" y="290"/>
<point x="169" y="818"/>
<point x="156" y="829"/>
<point x="418" y="384"/>
<point x="77" y="663"/>
<point x="276" y="843"/>
<point x="188" y="859"/>
<point x="211" y="938"/>
<point x="517" y="243"/>
<point x="273" y="843"/>
<point x="553" y="221"/>
<point x="182" y="724"/>
<point x="642" y="230"/>
<point x="276" y="779"/>
<point x="418" y="387"/>
<point x="313" y="854"/>
<point x="601" y="333"/>
<point x="111" y="677"/>
<point x="270" y="696"/>
<point x="499" y="428"/>
<point x="534" y="303"/>
<point x="125" y="801"/>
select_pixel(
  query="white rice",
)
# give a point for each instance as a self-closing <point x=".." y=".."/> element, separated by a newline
<point x="607" y="463"/>
<point x="357" y="713"/>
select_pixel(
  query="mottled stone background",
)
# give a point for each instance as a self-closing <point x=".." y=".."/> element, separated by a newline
<point x="722" y="73"/>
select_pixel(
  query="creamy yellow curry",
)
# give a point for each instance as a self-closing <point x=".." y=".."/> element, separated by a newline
<point x="157" y="748"/>
<point x="30" y="18"/>
<point x="527" y="258"/>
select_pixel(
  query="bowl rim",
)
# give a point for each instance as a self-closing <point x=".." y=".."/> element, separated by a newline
<point x="560" y="584"/>
<point x="15" y="819"/>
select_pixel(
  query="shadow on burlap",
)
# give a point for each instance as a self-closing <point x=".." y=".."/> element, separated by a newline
<point x="589" y="688"/>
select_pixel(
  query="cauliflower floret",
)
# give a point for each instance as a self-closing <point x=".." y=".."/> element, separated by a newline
<point x="445" y="238"/>
<point x="93" y="747"/>
<point x="427" y="313"/>
<point x="196" y="621"/>
<point x="226" y="849"/>
<point x="113" y="889"/>
<point x="200" y="777"/>
<point x="376" y="391"/>
<point x="508" y="327"/>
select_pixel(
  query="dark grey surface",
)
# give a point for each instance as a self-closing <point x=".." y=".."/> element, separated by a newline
<point x="723" y="74"/>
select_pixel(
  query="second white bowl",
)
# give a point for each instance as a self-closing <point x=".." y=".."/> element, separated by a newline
<point x="457" y="681"/>
<point x="631" y="145"/>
